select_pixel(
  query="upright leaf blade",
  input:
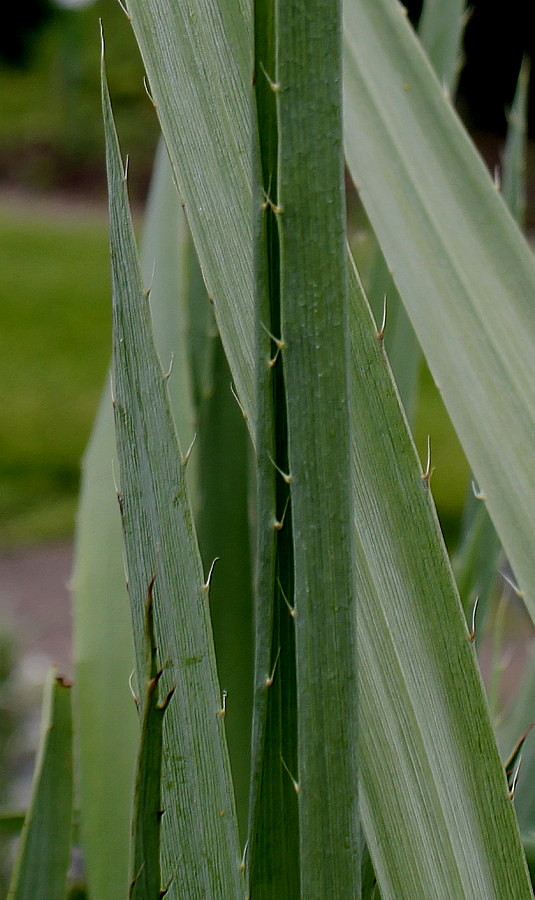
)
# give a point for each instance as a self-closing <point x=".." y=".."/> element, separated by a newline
<point x="440" y="29"/>
<point x="199" y="835"/>
<point x="106" y="726"/>
<point x="106" y="722"/>
<point x="273" y="846"/>
<point x="313" y="321"/>
<point x="514" y="156"/>
<point x="403" y="636"/>
<point x="45" y="843"/>
<point x="193" y="76"/>
<point x="146" y="824"/>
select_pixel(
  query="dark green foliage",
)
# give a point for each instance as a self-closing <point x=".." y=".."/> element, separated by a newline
<point x="146" y="876"/>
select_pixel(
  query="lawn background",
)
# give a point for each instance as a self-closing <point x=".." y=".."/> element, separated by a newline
<point x="54" y="290"/>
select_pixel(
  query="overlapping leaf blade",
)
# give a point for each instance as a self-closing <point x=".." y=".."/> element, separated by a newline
<point x="398" y="672"/>
<point x="199" y="835"/>
<point x="106" y="719"/>
<point x="463" y="269"/>
<point x="194" y="78"/>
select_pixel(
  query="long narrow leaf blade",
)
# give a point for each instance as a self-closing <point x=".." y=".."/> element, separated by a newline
<point x="202" y="79"/>
<point x="390" y="614"/>
<point x="313" y="322"/>
<point x="435" y="806"/>
<point x="440" y="29"/>
<point x="106" y="721"/>
<point x="463" y="269"/>
<point x="520" y="718"/>
<point x="514" y="156"/>
<point x="222" y="524"/>
<point x="45" y="843"/>
<point x="476" y="562"/>
<point x="199" y="829"/>
<point x="146" y="823"/>
<point x="273" y="858"/>
<point x="105" y="716"/>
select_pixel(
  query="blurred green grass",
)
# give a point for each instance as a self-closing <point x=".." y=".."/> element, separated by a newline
<point x="51" y="126"/>
<point x="54" y="346"/>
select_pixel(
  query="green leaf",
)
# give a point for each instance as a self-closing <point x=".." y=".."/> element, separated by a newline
<point x="199" y="821"/>
<point x="273" y="863"/>
<point x="514" y="156"/>
<point x="463" y="269"/>
<point x="145" y="871"/>
<point x="426" y="725"/>
<point x="194" y="77"/>
<point x="105" y="716"/>
<point x="313" y="326"/>
<point x="11" y="822"/>
<point x="520" y="717"/>
<point x="44" y="851"/>
<point x="476" y="560"/>
<point x="105" y="713"/>
<point x="222" y="446"/>
<point x="430" y="768"/>
<point x="440" y="30"/>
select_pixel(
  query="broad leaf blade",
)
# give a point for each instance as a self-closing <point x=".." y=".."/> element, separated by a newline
<point x="434" y="800"/>
<point x="200" y="820"/>
<point x="463" y="269"/>
<point x="476" y="561"/>
<point x="440" y="31"/>
<point x="44" y="851"/>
